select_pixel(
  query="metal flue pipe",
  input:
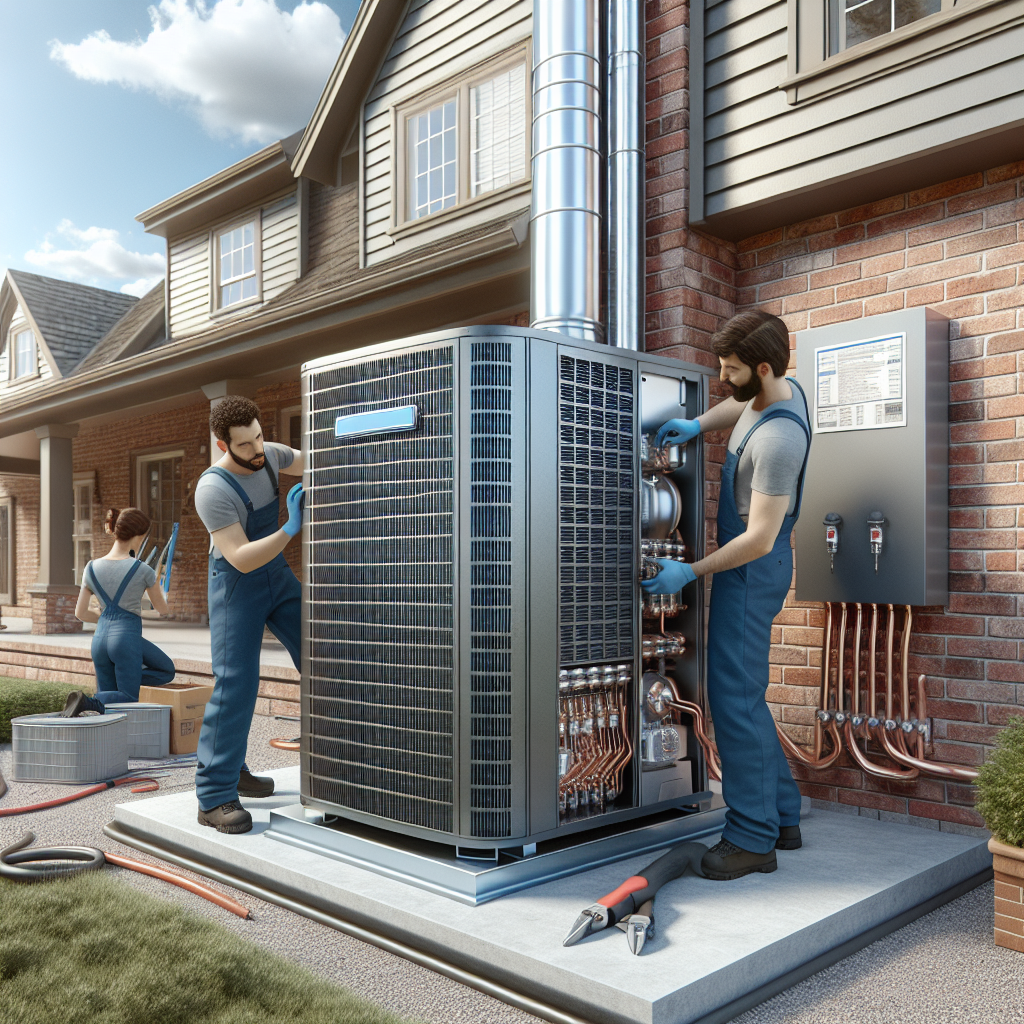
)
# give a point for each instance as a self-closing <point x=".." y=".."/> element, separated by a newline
<point x="565" y="224"/>
<point x="625" y="118"/>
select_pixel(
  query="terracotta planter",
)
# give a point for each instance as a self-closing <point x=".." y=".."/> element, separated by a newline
<point x="1008" y="864"/>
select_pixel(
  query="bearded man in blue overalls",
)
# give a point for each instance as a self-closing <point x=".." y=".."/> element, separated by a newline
<point x="251" y="586"/>
<point x="762" y="483"/>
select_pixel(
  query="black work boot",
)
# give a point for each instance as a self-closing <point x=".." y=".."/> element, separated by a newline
<point x="231" y="817"/>
<point x="789" y="838"/>
<point x="724" y="862"/>
<point x="79" y="703"/>
<point x="254" y="785"/>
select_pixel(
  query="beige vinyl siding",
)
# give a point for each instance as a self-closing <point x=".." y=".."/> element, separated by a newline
<point x="188" y="277"/>
<point x="280" y="246"/>
<point x="189" y="272"/>
<point x="756" y="146"/>
<point x="438" y="40"/>
<point x="11" y="388"/>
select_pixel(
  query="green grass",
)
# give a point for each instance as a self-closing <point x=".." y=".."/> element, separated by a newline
<point x="1001" y="786"/>
<point x="90" y="950"/>
<point x="28" y="697"/>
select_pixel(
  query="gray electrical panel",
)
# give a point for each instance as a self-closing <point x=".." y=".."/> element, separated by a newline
<point x="873" y="526"/>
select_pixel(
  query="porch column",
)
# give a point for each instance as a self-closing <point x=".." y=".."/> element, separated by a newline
<point x="217" y="392"/>
<point x="54" y="595"/>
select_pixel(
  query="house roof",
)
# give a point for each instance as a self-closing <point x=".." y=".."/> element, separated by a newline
<point x="341" y="101"/>
<point x="264" y="172"/>
<point x="69" y="318"/>
<point x="135" y="331"/>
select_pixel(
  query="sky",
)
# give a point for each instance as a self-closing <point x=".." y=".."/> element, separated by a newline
<point x="112" y="106"/>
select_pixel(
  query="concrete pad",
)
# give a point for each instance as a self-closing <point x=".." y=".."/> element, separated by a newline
<point x="720" y="946"/>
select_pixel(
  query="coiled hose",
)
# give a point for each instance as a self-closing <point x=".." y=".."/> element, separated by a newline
<point x="85" y="858"/>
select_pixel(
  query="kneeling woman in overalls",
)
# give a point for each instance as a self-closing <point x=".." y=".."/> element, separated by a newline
<point x="123" y="658"/>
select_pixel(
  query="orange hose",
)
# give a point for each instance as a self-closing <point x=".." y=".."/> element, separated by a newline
<point x="179" y="880"/>
<point x="286" y="744"/>
<point x="98" y="788"/>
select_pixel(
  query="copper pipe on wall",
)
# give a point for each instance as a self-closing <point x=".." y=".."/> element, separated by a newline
<point x="840" y="660"/>
<point x="873" y="662"/>
<point x="881" y="770"/>
<point x="855" y="684"/>
<point x="820" y="763"/>
<point x="908" y="619"/>
<point x="898" y="752"/>
<point x="826" y="654"/>
<point x="890" y="626"/>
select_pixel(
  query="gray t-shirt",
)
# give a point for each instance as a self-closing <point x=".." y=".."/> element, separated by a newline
<point x="110" y="571"/>
<point x="219" y="504"/>
<point x="774" y="455"/>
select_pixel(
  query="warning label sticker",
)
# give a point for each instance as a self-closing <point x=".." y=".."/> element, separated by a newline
<point x="860" y="385"/>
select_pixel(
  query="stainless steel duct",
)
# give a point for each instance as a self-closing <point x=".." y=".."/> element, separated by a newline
<point x="625" y="220"/>
<point x="565" y="225"/>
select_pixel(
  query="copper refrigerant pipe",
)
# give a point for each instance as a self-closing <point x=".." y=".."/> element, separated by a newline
<point x="889" y="629"/>
<point x="855" y="688"/>
<point x="866" y="764"/>
<point x="295" y="744"/>
<point x="705" y="741"/>
<point x="873" y="662"/>
<point x="908" y="619"/>
<point x="826" y="668"/>
<point x="841" y="659"/>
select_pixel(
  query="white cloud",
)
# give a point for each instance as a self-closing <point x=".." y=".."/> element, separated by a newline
<point x="249" y="68"/>
<point x="98" y="258"/>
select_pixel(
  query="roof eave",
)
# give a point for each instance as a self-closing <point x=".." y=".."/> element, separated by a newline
<point x="220" y="195"/>
<point x="338" y="108"/>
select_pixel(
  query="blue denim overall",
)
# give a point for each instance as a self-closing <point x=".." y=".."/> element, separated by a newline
<point x="756" y="781"/>
<point x="240" y="605"/>
<point x="124" y="659"/>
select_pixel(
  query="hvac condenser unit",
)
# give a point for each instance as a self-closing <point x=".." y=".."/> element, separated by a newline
<point x="475" y="637"/>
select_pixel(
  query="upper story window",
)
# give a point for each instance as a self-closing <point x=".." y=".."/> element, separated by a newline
<point x="465" y="140"/>
<point x="855" y="21"/>
<point x="237" y="269"/>
<point x="24" y="354"/>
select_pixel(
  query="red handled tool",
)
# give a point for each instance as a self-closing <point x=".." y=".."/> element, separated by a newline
<point x="631" y="906"/>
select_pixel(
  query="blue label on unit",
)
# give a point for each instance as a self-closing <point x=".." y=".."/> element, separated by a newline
<point x="378" y="421"/>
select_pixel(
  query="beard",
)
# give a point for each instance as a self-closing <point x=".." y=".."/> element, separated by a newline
<point x="745" y="392"/>
<point x="256" y="463"/>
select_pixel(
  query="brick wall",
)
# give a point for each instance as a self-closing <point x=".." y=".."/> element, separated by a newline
<point x="111" y="450"/>
<point x="25" y="491"/>
<point x="956" y="247"/>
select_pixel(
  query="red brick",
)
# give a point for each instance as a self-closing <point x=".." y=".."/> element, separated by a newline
<point x="1012" y="341"/>
<point x="907" y="219"/>
<point x="973" y="305"/>
<point x="925" y="254"/>
<point x="1011" y="298"/>
<point x="872" y="247"/>
<point x="977" y="368"/>
<point x="929" y="294"/>
<point x="955" y="625"/>
<point x="1004" y="672"/>
<point x="982" y="604"/>
<point x="871" y="210"/>
<point x="812" y="227"/>
<point x="994" y="495"/>
<point x="835" y="275"/>
<point x="1008" y="255"/>
<point x="1001" y="561"/>
<point x="1005" y="582"/>
<point x="1003" y="650"/>
<point x="1005" y="172"/>
<point x="982" y="539"/>
<point x="776" y="289"/>
<point x="953" y="227"/>
<point x="834" y="314"/>
<point x="945" y="189"/>
<point x="990" y="196"/>
<point x="858" y="289"/>
<point x="997" y="408"/>
<point x="1000" y="518"/>
<point x="876" y="801"/>
<point x="980" y="241"/>
<point x="883" y="303"/>
<point x="935" y="272"/>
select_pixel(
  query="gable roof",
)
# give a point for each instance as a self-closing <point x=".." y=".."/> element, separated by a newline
<point x="68" y="318"/>
<point x="338" y="109"/>
<point x="135" y="331"/>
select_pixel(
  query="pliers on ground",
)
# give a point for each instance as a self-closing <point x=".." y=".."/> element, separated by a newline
<point x="631" y="906"/>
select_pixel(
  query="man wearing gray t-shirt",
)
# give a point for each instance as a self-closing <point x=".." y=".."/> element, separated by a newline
<point x="758" y="504"/>
<point x="251" y="587"/>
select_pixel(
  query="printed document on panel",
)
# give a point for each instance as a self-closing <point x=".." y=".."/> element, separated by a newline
<point x="861" y="385"/>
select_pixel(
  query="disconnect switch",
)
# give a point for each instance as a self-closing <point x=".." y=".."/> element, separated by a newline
<point x="876" y="524"/>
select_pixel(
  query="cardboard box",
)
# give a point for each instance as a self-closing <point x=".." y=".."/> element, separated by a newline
<point x="188" y="703"/>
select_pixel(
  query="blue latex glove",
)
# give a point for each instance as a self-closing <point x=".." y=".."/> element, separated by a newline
<point x="676" y="432"/>
<point x="672" y="578"/>
<point x="296" y="502"/>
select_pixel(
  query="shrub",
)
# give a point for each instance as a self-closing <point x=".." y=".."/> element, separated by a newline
<point x="1001" y="786"/>
<point x="28" y="697"/>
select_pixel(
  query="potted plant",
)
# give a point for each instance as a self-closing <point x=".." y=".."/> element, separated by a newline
<point x="1001" y="803"/>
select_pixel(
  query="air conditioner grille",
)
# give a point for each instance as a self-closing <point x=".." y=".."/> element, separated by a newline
<point x="380" y="612"/>
<point x="490" y="669"/>
<point x="596" y="561"/>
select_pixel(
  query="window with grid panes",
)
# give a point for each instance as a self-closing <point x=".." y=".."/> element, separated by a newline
<point x="432" y="171"/>
<point x="497" y="131"/>
<point x="160" y="493"/>
<point x="855" y="21"/>
<point x="236" y="255"/>
<point x="24" y="354"/>
<point x="82" y="528"/>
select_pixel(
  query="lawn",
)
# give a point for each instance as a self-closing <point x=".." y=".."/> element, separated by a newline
<point x="28" y="697"/>
<point x="88" y="949"/>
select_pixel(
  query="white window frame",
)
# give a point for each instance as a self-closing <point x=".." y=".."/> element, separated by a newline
<point x="255" y="219"/>
<point x="459" y="87"/>
<point x="12" y="352"/>
<point x="812" y="74"/>
<point x="10" y="596"/>
<point x="80" y="535"/>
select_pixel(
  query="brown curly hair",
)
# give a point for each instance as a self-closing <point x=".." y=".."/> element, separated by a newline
<point x="126" y="523"/>
<point x="232" y="411"/>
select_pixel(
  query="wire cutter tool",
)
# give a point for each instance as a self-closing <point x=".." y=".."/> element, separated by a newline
<point x="630" y="907"/>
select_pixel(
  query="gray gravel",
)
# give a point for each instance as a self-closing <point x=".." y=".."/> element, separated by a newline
<point x="942" y="968"/>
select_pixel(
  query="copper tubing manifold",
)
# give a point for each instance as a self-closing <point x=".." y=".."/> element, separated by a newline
<point x="852" y="704"/>
<point x="593" y="736"/>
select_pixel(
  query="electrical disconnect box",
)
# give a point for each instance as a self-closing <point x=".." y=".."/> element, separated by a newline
<point x="873" y="526"/>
